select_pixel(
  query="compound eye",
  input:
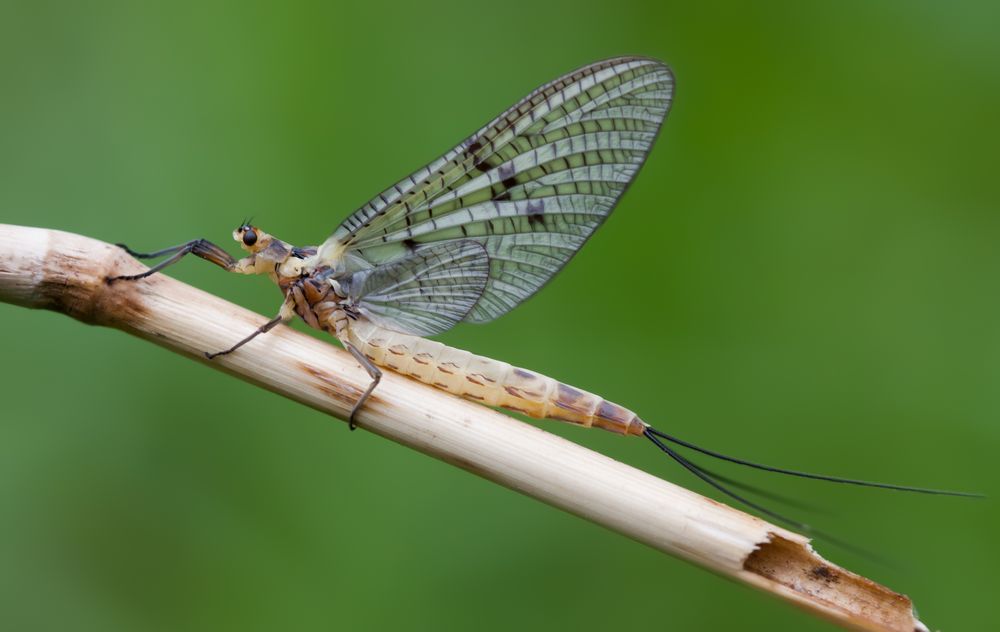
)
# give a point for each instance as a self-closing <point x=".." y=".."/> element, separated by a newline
<point x="249" y="237"/>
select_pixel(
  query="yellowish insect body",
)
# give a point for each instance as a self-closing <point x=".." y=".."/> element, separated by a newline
<point x="316" y="295"/>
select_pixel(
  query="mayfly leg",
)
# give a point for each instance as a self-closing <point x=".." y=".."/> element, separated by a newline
<point x="285" y="314"/>
<point x="156" y="253"/>
<point x="373" y="371"/>
<point x="198" y="247"/>
<point x="263" y="329"/>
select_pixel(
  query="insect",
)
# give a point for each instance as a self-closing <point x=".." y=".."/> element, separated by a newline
<point x="472" y="235"/>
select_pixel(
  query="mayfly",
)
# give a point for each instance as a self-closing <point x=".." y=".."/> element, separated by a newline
<point x="472" y="235"/>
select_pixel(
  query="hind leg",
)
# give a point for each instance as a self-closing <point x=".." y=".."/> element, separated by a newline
<point x="373" y="371"/>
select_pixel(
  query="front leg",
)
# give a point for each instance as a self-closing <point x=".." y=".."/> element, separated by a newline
<point x="198" y="247"/>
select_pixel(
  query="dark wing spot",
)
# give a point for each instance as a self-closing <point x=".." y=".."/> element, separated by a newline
<point x="535" y="211"/>
<point x="410" y="244"/>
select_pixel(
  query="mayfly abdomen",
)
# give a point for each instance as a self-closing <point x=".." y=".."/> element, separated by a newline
<point x="567" y="403"/>
<point x="489" y="381"/>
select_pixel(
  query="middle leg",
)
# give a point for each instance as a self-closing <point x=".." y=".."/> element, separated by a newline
<point x="285" y="314"/>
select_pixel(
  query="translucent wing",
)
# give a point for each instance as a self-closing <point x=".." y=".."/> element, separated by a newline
<point x="425" y="292"/>
<point x="530" y="187"/>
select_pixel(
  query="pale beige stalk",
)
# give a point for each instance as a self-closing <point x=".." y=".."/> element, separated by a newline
<point x="65" y="272"/>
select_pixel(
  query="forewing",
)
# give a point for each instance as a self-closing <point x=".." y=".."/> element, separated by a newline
<point x="530" y="187"/>
<point x="426" y="292"/>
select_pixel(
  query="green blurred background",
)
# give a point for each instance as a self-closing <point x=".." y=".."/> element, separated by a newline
<point x="804" y="273"/>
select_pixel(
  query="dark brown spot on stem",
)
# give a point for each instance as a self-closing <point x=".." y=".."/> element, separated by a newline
<point x="825" y="573"/>
<point x="332" y="387"/>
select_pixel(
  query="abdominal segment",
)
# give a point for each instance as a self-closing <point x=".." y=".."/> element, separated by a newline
<point x="490" y="382"/>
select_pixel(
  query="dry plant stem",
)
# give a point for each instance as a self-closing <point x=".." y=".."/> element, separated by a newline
<point x="64" y="272"/>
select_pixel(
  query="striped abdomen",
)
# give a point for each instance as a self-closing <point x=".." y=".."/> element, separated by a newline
<point x="488" y="381"/>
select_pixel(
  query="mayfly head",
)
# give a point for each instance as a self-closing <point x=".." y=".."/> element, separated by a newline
<point x="251" y="238"/>
<point x="270" y="255"/>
